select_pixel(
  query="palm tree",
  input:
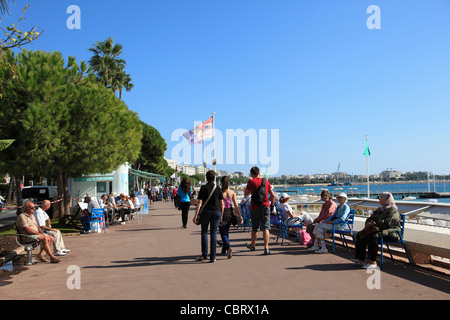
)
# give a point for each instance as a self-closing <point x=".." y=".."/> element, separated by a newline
<point x="4" y="7"/>
<point x="106" y="62"/>
<point x="120" y="81"/>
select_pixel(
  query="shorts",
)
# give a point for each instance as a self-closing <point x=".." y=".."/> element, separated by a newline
<point x="31" y="238"/>
<point x="260" y="219"/>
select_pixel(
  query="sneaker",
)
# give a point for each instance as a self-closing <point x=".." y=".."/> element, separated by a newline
<point x="201" y="258"/>
<point x="249" y="246"/>
<point x="322" y="250"/>
<point x="266" y="251"/>
<point x="370" y="266"/>
<point x="59" y="253"/>
<point x="313" y="248"/>
<point x="229" y="254"/>
<point x="65" y="250"/>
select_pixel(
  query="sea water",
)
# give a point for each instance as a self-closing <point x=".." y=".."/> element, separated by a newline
<point x="407" y="188"/>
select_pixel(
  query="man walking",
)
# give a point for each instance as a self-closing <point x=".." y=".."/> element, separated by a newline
<point x="259" y="208"/>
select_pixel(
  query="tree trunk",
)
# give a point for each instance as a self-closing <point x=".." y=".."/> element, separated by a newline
<point x="18" y="196"/>
<point x="59" y="183"/>
<point x="66" y="196"/>
<point x="11" y="183"/>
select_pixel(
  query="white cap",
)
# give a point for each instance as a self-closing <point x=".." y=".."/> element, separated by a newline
<point x="343" y="195"/>
<point x="284" y="196"/>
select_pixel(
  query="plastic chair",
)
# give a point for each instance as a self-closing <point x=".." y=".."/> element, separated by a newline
<point x="245" y="212"/>
<point x="348" y="230"/>
<point x="389" y="240"/>
<point x="97" y="220"/>
<point x="136" y="212"/>
<point x="283" y="226"/>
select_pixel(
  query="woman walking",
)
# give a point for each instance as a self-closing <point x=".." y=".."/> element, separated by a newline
<point x="184" y="192"/>
<point x="212" y="210"/>
<point x="229" y="197"/>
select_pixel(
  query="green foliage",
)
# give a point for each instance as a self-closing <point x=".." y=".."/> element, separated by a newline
<point x="109" y="67"/>
<point x="14" y="38"/>
<point x="63" y="119"/>
<point x="151" y="158"/>
<point x="5" y="144"/>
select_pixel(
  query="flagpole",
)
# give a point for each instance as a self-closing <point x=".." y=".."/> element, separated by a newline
<point x="204" y="159"/>
<point x="367" y="164"/>
<point x="214" y="143"/>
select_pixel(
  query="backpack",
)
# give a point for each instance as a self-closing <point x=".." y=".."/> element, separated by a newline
<point x="259" y="195"/>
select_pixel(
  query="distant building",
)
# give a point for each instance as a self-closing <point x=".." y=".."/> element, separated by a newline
<point x="340" y="175"/>
<point x="222" y="173"/>
<point x="390" y="174"/>
<point x="172" y="164"/>
<point x="240" y="174"/>
<point x="321" y="176"/>
<point x="189" y="170"/>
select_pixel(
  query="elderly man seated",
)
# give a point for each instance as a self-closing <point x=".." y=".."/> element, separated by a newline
<point x="43" y="221"/>
<point x="27" y="225"/>
<point x="86" y="213"/>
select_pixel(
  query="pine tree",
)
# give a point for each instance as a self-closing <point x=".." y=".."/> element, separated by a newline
<point x="65" y="122"/>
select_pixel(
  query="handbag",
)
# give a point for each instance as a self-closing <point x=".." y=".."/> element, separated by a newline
<point x="197" y="221"/>
<point x="228" y="217"/>
<point x="233" y="219"/>
<point x="369" y="229"/>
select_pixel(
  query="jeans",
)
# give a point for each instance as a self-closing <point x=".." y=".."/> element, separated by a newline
<point x="85" y="222"/>
<point x="224" y="234"/>
<point x="184" y="212"/>
<point x="211" y="218"/>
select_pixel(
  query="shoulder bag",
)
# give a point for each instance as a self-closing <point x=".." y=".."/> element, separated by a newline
<point x="197" y="221"/>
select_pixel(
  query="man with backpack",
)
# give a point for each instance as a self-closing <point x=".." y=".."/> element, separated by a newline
<point x="260" y="189"/>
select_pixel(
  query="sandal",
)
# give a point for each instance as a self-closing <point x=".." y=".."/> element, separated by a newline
<point x="41" y="258"/>
<point x="249" y="246"/>
<point x="54" y="260"/>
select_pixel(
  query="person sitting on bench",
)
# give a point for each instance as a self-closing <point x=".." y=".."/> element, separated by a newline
<point x="27" y="225"/>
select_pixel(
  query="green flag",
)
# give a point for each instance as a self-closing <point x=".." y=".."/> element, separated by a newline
<point x="367" y="151"/>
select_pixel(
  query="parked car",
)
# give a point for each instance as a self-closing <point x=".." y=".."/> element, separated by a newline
<point x="41" y="193"/>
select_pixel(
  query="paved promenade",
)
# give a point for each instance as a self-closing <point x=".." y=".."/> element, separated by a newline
<point x="156" y="260"/>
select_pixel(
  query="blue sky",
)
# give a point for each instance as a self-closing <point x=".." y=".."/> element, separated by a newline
<point x="310" y="69"/>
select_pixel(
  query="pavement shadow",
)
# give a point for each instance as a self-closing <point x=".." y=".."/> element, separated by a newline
<point x="327" y="267"/>
<point x="147" y="229"/>
<point x="147" y="262"/>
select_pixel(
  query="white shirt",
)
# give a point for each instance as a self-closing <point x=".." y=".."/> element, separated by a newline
<point x="285" y="208"/>
<point x="41" y="216"/>
<point x="101" y="204"/>
<point x="130" y="203"/>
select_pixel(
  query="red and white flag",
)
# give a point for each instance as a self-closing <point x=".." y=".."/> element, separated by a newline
<point x="204" y="130"/>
